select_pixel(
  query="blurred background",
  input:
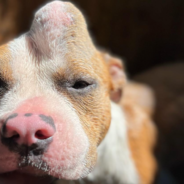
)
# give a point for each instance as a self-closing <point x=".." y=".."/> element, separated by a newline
<point x="149" y="36"/>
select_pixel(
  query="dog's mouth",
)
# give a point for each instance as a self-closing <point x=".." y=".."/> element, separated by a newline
<point x="33" y="169"/>
<point x="30" y="170"/>
<point x="17" y="177"/>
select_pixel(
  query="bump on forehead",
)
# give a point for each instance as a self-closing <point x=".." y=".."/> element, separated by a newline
<point x="53" y="16"/>
<point x="49" y="27"/>
<point x="59" y="28"/>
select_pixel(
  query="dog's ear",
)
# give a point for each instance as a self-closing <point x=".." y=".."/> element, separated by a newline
<point x="117" y="74"/>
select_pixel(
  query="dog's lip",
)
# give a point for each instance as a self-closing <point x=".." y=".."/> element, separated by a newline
<point x="17" y="177"/>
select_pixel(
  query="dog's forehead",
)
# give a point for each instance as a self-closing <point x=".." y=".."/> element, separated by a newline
<point x="58" y="39"/>
<point x="58" y="43"/>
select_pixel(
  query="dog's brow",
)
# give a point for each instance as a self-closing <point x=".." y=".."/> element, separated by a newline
<point x="5" y="69"/>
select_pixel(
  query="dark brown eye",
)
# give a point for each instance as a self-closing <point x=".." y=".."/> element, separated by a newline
<point x="80" y="85"/>
<point x="3" y="85"/>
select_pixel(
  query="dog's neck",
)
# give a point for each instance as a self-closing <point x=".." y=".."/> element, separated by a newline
<point x="114" y="156"/>
<point x="115" y="162"/>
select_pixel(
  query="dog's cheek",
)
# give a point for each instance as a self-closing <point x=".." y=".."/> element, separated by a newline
<point x="67" y="152"/>
<point x="94" y="114"/>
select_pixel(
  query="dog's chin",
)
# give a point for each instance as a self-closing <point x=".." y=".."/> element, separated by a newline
<point x="17" y="177"/>
<point x="33" y="175"/>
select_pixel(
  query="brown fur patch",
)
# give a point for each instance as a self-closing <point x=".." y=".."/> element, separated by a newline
<point x="5" y="70"/>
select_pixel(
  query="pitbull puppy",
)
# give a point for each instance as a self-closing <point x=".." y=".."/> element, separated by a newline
<point x="56" y="105"/>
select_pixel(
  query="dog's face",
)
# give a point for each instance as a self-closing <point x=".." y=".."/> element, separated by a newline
<point x="55" y="97"/>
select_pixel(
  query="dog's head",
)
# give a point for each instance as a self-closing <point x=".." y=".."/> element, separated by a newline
<point x="55" y="89"/>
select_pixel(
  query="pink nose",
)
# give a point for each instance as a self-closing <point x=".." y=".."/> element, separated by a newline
<point x="28" y="128"/>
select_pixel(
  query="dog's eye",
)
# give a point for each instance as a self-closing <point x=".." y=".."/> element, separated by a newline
<point x="3" y="84"/>
<point x="3" y="87"/>
<point x="80" y="85"/>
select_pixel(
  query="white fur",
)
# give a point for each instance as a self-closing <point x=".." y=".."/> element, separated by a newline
<point x="114" y="156"/>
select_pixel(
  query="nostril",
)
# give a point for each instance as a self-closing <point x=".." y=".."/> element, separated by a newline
<point x="15" y="137"/>
<point x="41" y="135"/>
<point x="11" y="134"/>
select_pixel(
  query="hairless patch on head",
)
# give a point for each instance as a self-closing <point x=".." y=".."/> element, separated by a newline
<point x="48" y="120"/>
<point x="28" y="114"/>
<point x="4" y="125"/>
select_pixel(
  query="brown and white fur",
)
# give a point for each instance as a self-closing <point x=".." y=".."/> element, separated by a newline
<point x="56" y="106"/>
<point x="138" y="104"/>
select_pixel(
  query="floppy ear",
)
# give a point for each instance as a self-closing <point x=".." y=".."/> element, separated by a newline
<point x="117" y="74"/>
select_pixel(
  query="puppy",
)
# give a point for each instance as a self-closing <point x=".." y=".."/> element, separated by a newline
<point x="57" y="106"/>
